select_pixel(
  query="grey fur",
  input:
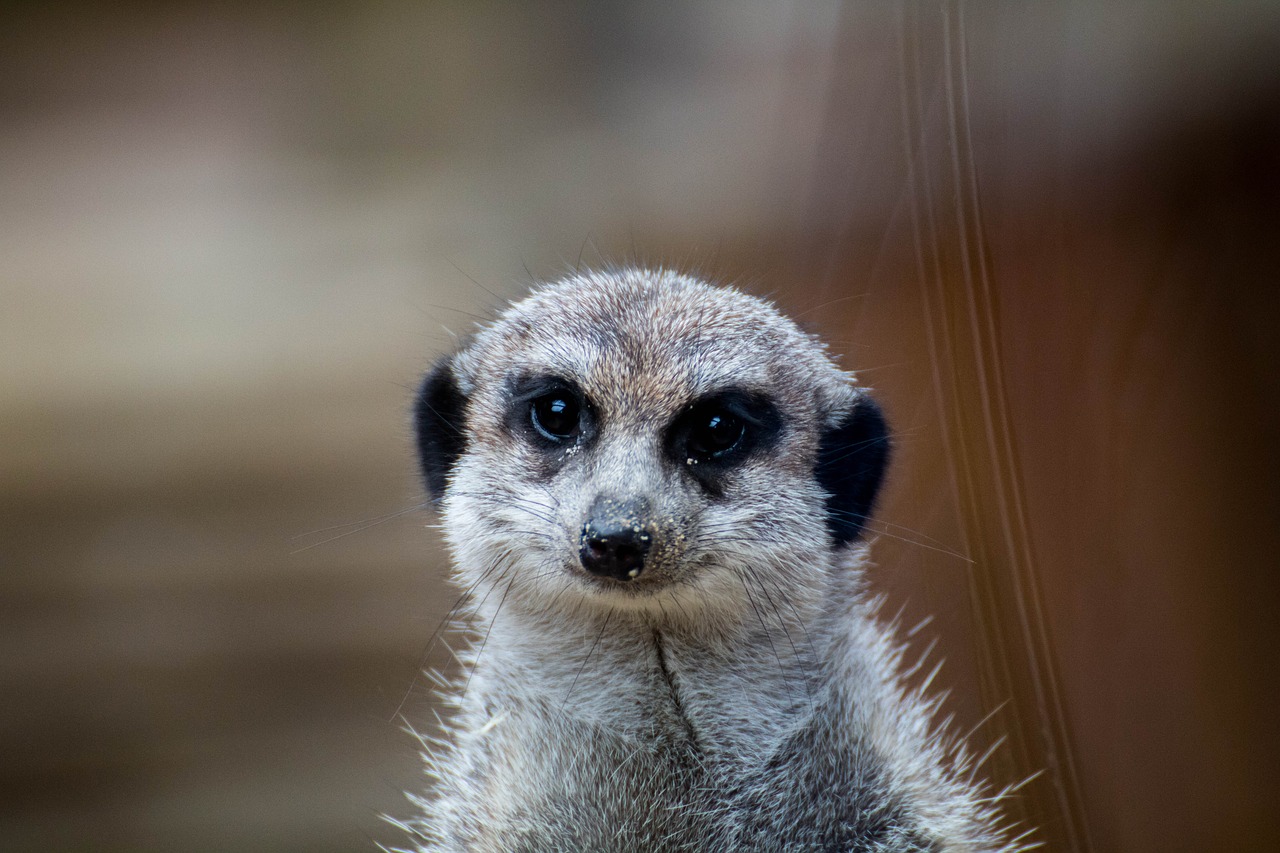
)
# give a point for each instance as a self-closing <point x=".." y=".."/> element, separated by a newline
<point x="744" y="696"/>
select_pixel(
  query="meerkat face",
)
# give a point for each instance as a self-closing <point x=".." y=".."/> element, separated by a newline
<point x="642" y="439"/>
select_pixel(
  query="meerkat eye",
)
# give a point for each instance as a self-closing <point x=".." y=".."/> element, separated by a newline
<point x="556" y="415"/>
<point x="720" y="430"/>
<point x="714" y="432"/>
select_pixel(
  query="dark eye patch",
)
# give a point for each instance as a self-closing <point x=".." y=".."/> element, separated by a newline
<point x="550" y="411"/>
<point x="557" y="415"/>
<point x="715" y="433"/>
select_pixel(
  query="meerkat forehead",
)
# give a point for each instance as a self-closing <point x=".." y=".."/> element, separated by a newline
<point x="648" y="340"/>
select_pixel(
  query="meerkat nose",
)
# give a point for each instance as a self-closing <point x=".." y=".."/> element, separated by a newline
<point x="614" y="549"/>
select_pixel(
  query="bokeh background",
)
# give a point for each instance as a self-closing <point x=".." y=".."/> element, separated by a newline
<point x="232" y="235"/>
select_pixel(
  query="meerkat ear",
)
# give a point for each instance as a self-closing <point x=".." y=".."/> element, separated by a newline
<point x="438" y="423"/>
<point x="851" y="461"/>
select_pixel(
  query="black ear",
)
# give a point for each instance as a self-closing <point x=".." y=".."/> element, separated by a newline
<point x="438" y="421"/>
<point x="851" y="461"/>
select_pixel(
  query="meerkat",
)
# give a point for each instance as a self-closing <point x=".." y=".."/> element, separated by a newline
<point x="654" y="490"/>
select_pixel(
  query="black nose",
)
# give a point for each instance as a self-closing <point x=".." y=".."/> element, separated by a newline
<point x="614" y="549"/>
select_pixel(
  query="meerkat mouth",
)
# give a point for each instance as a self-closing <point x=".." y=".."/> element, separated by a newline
<point x="639" y="585"/>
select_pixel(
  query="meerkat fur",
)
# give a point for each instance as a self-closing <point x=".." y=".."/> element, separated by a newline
<point x="654" y="492"/>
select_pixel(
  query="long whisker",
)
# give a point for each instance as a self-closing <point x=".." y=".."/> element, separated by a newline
<point x="777" y="587"/>
<point x="786" y="633"/>
<point x="604" y="625"/>
<point x="475" y="661"/>
<point x="443" y="626"/>
<point x="359" y="527"/>
<point x="768" y="636"/>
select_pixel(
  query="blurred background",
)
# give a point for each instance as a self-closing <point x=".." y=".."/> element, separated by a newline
<point x="232" y="235"/>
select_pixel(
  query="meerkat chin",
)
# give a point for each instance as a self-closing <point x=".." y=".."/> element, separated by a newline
<point x="654" y="491"/>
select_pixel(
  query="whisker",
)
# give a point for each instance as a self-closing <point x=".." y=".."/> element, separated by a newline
<point x="587" y="659"/>
<point x="783" y="624"/>
<point x="475" y="661"/>
<point x="360" y="527"/>
<point x="443" y="626"/>
<point x="767" y="636"/>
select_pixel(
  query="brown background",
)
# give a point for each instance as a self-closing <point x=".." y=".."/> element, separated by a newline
<point x="231" y="237"/>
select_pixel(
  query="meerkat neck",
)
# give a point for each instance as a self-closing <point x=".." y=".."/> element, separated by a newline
<point x="727" y="687"/>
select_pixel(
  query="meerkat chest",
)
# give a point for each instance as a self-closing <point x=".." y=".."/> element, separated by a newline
<point x="643" y="752"/>
<point x="538" y="779"/>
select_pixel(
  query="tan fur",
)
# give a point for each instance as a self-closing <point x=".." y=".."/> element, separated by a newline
<point x="740" y="694"/>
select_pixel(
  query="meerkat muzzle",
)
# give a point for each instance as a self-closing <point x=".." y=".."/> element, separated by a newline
<point x="615" y="540"/>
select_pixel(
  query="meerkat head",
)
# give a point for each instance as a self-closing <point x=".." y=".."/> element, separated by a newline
<point x="641" y="439"/>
